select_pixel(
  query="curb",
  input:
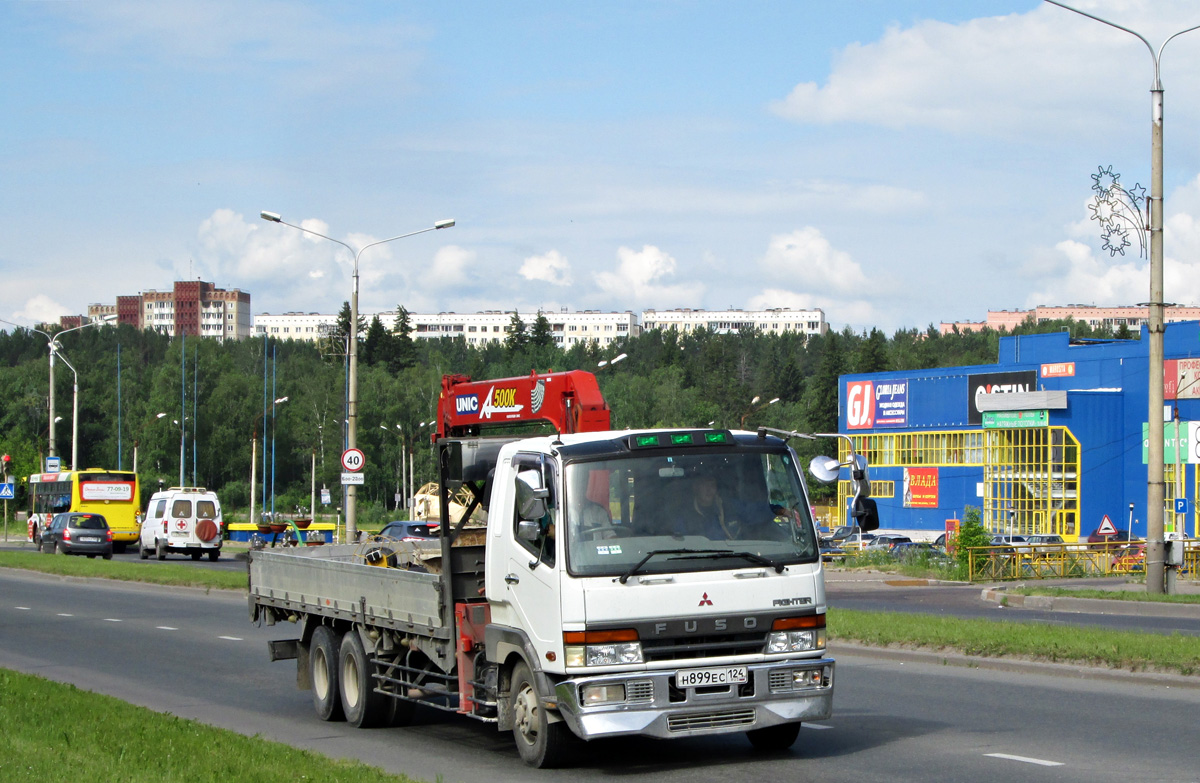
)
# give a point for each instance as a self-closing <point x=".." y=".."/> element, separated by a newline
<point x="1000" y="595"/>
<point x="1017" y="666"/>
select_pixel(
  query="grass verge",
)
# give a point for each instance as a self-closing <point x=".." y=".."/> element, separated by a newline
<point x="179" y="574"/>
<point x="1109" y="595"/>
<point x="1089" y="646"/>
<point x="55" y="732"/>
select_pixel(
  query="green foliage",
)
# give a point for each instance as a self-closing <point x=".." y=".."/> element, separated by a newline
<point x="55" y="732"/>
<point x="669" y="379"/>
<point x="971" y="533"/>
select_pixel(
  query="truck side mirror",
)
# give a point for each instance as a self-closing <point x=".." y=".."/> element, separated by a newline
<point x="531" y="496"/>
<point x="865" y="513"/>
<point x="825" y="469"/>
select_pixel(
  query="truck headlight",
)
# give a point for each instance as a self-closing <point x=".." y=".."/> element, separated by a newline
<point x="603" y="654"/>
<point x="602" y="648"/>
<point x="795" y="641"/>
<point x="602" y="694"/>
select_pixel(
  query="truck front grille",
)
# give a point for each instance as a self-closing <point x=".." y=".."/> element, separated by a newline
<point x="687" y="647"/>
<point x="710" y="720"/>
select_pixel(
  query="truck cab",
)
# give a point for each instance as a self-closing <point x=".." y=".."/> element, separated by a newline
<point x="667" y="584"/>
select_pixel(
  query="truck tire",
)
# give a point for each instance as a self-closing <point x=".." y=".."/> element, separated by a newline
<point x="323" y="673"/>
<point x="143" y="552"/>
<point x="542" y="744"/>
<point x="214" y="555"/>
<point x="774" y="739"/>
<point x="364" y="707"/>
<point x="197" y="555"/>
<point x="160" y="549"/>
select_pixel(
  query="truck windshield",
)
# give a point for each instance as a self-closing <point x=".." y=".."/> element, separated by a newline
<point x="750" y="504"/>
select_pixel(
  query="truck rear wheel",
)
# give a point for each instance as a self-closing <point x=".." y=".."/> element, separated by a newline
<point x="774" y="739"/>
<point x="323" y="673"/>
<point x="214" y="555"/>
<point x="542" y="744"/>
<point x="160" y="549"/>
<point x="364" y="707"/>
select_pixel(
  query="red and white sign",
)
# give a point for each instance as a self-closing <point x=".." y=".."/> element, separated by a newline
<point x="860" y="405"/>
<point x="1058" y="370"/>
<point x="353" y="460"/>
<point x="1107" y="528"/>
<point x="920" y="488"/>
<point x="181" y="524"/>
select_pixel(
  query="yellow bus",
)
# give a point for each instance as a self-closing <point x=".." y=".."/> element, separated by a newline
<point x="113" y="494"/>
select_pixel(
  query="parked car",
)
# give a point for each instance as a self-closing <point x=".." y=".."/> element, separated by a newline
<point x="76" y="533"/>
<point x="1045" y="539"/>
<point x="404" y="530"/>
<point x="1017" y="543"/>
<point x="841" y="534"/>
<point x="885" y="542"/>
<point x="914" y="551"/>
<point x="1098" y="540"/>
<point x="831" y="553"/>
<point x="1131" y="557"/>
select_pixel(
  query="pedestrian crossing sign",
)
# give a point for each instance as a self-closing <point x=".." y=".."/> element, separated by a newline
<point x="6" y="492"/>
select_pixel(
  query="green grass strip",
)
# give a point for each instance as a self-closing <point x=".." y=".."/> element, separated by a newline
<point x="1109" y="595"/>
<point x="179" y="574"/>
<point x="54" y="732"/>
<point x="1089" y="646"/>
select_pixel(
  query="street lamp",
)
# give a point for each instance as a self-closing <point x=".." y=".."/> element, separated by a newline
<point x="754" y="409"/>
<point x="1155" y="487"/>
<point x="254" y="455"/>
<point x="182" y="441"/>
<point x="352" y="372"/>
<point x="606" y="363"/>
<point x="55" y="347"/>
<point x="157" y="416"/>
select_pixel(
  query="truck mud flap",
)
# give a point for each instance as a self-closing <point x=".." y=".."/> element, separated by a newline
<point x="284" y="649"/>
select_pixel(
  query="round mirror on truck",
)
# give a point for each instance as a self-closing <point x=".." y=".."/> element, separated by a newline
<point x="825" y="469"/>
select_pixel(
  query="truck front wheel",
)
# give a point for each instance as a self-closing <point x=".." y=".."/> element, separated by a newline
<point x="542" y="744"/>
<point x="323" y="673"/>
<point x="774" y="739"/>
<point x="364" y="707"/>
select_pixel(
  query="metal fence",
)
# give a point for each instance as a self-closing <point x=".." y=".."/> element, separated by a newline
<point x="1057" y="561"/>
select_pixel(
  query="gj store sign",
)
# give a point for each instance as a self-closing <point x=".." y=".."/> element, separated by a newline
<point x="872" y="404"/>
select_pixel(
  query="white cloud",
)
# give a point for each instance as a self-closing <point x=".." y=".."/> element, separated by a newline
<point x="1044" y="72"/>
<point x="451" y="267"/>
<point x="806" y="259"/>
<point x="551" y="267"/>
<point x="642" y="278"/>
<point x="850" y="311"/>
<point x="40" y="309"/>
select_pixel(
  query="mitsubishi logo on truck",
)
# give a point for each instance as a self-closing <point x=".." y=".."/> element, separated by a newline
<point x="705" y="600"/>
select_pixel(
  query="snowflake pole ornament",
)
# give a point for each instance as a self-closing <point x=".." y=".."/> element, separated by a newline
<point x="1119" y="212"/>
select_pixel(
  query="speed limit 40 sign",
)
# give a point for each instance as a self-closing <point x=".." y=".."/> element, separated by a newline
<point x="353" y="460"/>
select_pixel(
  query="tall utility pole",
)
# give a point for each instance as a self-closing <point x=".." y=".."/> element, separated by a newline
<point x="1155" y="485"/>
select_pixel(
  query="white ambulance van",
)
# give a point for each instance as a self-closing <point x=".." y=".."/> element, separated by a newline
<point x="183" y="520"/>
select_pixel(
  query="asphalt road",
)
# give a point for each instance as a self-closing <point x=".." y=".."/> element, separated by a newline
<point x="197" y="655"/>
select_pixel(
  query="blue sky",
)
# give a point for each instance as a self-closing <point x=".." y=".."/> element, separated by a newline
<point x="894" y="163"/>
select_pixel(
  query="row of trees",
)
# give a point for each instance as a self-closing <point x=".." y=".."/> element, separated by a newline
<point x="223" y="393"/>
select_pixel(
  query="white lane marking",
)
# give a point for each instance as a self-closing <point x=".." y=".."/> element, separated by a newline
<point x="230" y="638"/>
<point x="815" y="726"/>
<point x="165" y="628"/>
<point x="115" y="620"/>
<point x="64" y="614"/>
<point x="1025" y="759"/>
<point x="22" y="608"/>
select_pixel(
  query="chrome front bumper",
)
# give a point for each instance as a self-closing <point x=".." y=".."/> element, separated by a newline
<point x="653" y="707"/>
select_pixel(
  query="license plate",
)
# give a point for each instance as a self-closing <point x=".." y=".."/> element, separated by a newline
<point x="88" y="539"/>
<point x="698" y="678"/>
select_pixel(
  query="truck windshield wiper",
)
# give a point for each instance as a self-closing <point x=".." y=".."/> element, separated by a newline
<point x="751" y="556"/>
<point x="655" y="552"/>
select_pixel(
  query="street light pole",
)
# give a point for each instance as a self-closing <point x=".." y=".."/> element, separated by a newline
<point x="1155" y="485"/>
<point x="352" y="373"/>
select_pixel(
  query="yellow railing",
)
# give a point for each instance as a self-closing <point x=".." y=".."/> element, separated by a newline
<point x="1058" y="561"/>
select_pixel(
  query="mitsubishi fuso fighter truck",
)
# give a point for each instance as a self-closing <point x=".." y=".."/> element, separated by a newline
<point x="664" y="583"/>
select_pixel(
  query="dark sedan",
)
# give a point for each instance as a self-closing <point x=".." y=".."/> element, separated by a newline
<point x="410" y="531"/>
<point x="77" y="533"/>
<point x="1099" y="540"/>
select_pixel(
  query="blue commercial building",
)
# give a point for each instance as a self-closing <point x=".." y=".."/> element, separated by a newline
<point x="1050" y="439"/>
